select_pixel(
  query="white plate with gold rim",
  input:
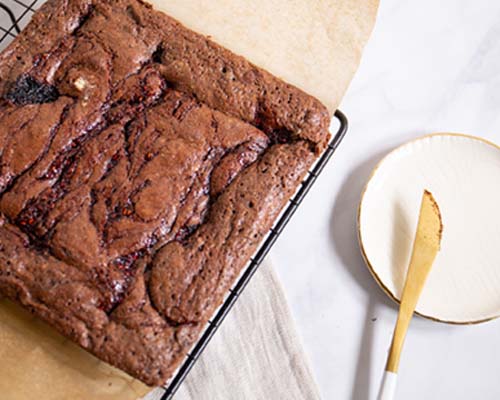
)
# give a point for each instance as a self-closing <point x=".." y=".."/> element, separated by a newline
<point x="463" y="174"/>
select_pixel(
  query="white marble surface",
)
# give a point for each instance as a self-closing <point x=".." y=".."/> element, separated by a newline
<point x="430" y="66"/>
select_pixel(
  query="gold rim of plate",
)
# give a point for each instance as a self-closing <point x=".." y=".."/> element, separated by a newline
<point x="370" y="267"/>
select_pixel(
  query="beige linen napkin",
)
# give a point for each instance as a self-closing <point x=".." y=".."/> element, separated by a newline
<point x="255" y="354"/>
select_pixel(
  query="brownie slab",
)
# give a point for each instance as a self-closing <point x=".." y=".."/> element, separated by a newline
<point x="141" y="165"/>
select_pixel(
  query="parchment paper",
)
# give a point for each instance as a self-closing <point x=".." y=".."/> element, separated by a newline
<point x="315" y="45"/>
<point x="38" y="363"/>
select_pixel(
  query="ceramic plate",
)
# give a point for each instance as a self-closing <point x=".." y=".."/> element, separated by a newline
<point x="463" y="174"/>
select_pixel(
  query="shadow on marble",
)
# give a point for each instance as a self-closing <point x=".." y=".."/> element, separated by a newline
<point x="343" y="230"/>
<point x="363" y="382"/>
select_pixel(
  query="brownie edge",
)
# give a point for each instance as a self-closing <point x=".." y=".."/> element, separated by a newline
<point x="142" y="165"/>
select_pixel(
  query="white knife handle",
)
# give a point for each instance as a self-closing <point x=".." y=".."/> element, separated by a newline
<point x="388" y="388"/>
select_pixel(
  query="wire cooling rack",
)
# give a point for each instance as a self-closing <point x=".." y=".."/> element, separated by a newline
<point x="14" y="15"/>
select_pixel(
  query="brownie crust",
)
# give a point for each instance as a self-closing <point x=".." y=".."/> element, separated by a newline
<point x="141" y="166"/>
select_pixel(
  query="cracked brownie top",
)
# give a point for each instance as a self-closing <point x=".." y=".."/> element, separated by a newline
<point x="140" y="166"/>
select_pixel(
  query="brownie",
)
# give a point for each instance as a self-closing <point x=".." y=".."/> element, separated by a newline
<point x="141" y="166"/>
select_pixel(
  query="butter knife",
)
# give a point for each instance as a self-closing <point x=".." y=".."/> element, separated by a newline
<point x="425" y="248"/>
